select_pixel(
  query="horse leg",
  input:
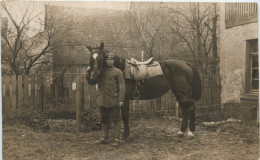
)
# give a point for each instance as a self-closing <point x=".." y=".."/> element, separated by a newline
<point x="125" y="117"/>
<point x="188" y="113"/>
<point x="192" y="121"/>
<point x="185" y="119"/>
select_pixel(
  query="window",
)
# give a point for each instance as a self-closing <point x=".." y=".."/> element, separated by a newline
<point x="252" y="67"/>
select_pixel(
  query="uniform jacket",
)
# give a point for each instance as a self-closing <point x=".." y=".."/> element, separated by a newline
<point x="111" y="88"/>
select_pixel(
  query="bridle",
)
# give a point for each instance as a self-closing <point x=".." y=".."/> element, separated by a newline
<point x="96" y="66"/>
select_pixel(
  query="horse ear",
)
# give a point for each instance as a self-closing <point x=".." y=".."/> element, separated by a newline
<point x="102" y="46"/>
<point x="89" y="48"/>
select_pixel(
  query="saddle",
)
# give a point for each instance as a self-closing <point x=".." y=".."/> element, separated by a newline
<point x="140" y="70"/>
<point x="135" y="62"/>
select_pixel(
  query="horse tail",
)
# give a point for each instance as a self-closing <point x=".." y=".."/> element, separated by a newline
<point x="196" y="85"/>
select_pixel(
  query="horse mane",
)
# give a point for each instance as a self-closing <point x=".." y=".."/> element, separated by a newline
<point x="119" y="63"/>
<point x="106" y="51"/>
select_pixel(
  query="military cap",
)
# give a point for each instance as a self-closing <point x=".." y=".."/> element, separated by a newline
<point x="110" y="55"/>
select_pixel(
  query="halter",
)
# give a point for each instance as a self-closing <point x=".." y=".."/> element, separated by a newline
<point x="100" y="53"/>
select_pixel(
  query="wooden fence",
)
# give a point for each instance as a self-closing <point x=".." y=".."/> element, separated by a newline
<point x="207" y="106"/>
<point x="23" y="93"/>
<point x="41" y="91"/>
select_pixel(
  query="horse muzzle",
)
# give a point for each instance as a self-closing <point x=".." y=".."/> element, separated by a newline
<point x="94" y="75"/>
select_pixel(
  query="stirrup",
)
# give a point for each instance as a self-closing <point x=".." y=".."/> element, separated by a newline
<point x="136" y="93"/>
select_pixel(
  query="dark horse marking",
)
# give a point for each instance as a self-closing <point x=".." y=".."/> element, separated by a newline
<point x="178" y="75"/>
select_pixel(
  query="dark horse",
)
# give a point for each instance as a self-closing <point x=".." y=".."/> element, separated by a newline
<point x="179" y="76"/>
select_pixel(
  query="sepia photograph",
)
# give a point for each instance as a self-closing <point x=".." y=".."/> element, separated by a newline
<point x="129" y="80"/>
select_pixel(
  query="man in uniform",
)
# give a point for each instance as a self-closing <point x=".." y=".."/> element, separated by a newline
<point x="111" y="94"/>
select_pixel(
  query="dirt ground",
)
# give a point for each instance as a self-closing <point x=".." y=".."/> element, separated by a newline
<point x="150" y="139"/>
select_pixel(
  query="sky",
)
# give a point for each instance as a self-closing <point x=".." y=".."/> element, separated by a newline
<point x="18" y="8"/>
<point x="98" y="4"/>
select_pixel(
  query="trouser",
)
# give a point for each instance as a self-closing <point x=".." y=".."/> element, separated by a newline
<point x="113" y="114"/>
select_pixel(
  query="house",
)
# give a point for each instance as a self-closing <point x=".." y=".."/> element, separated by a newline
<point x="239" y="58"/>
<point x="119" y="31"/>
<point x="88" y="27"/>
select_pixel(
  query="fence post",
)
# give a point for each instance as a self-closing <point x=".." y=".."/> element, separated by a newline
<point x="20" y="94"/>
<point x="14" y="94"/>
<point x="85" y="94"/>
<point x="78" y="100"/>
<point x="257" y="119"/>
<point x="177" y="109"/>
<point x="42" y="93"/>
<point x="55" y="93"/>
<point x="5" y="86"/>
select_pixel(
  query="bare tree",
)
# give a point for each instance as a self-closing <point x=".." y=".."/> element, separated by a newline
<point x="147" y="23"/>
<point x="23" y="51"/>
<point x="213" y="30"/>
<point x="192" y="22"/>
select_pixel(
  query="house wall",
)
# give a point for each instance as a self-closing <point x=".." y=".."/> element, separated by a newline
<point x="233" y="56"/>
<point x="89" y="27"/>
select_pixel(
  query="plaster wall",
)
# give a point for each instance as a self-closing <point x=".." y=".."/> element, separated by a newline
<point x="232" y="57"/>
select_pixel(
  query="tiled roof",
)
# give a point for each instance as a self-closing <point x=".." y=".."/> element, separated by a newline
<point x="91" y="27"/>
<point x="71" y="56"/>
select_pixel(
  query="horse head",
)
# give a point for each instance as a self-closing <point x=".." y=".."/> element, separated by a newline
<point x="96" y="61"/>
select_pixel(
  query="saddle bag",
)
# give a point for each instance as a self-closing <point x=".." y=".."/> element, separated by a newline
<point x="139" y="72"/>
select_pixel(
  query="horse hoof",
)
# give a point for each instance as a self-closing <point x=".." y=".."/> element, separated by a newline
<point x="124" y="136"/>
<point x="190" y="134"/>
<point x="180" y="134"/>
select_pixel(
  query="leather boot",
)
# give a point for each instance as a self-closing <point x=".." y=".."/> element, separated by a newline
<point x="117" y="133"/>
<point x="117" y="129"/>
<point x="105" y="139"/>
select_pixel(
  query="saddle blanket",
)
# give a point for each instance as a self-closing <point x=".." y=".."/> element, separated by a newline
<point x="140" y="72"/>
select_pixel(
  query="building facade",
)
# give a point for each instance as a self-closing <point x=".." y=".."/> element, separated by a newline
<point x="239" y="55"/>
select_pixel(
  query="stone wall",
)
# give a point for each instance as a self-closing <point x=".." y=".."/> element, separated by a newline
<point x="240" y="111"/>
